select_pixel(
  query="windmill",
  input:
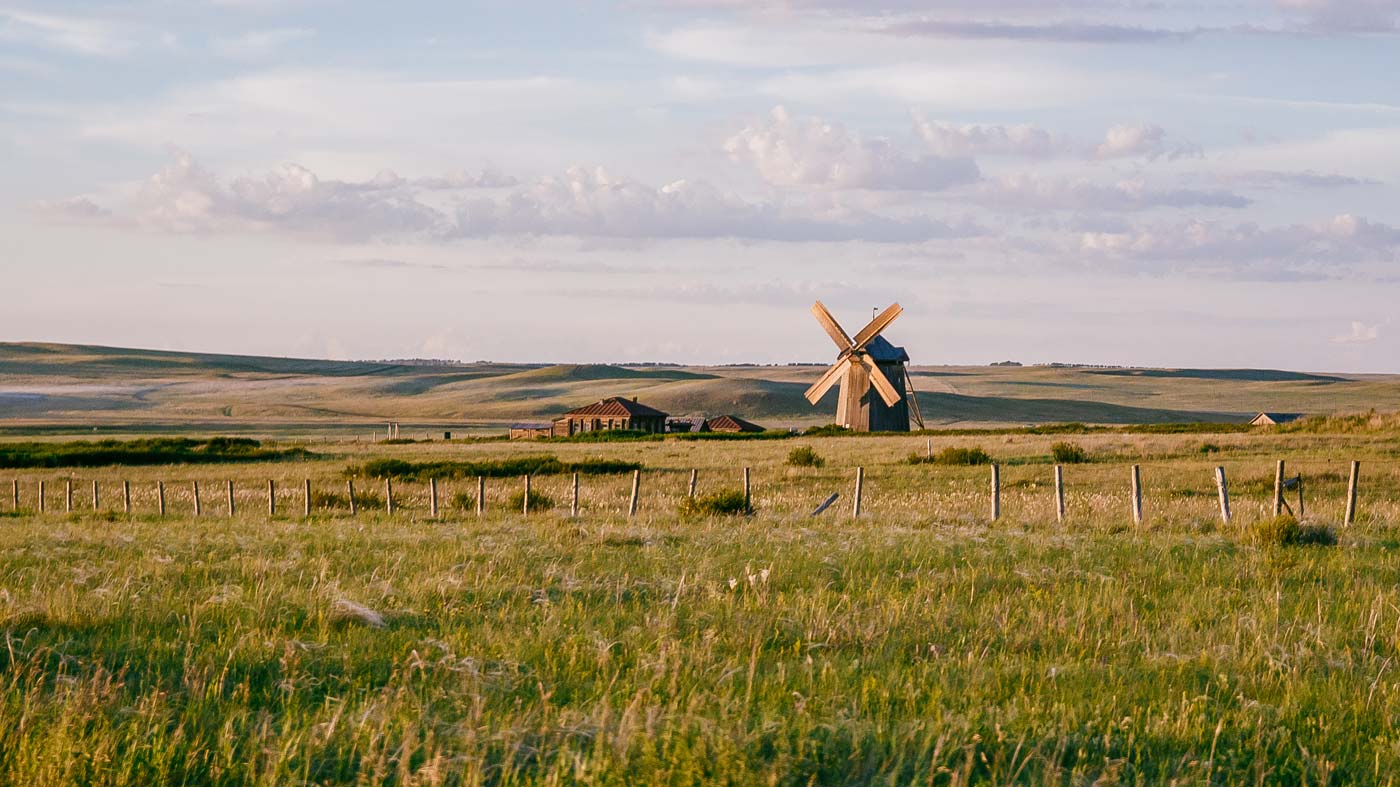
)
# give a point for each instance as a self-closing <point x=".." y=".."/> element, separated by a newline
<point x="865" y="362"/>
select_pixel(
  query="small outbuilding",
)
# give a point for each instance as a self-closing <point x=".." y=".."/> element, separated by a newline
<point x="1274" y="419"/>
<point x="530" y="431"/>
<point x="612" y="413"/>
<point x="731" y="423"/>
<point x="686" y="425"/>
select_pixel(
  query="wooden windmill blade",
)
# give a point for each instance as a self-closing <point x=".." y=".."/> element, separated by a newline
<point x="873" y="329"/>
<point x="879" y="380"/>
<point x="819" y="389"/>
<point x="832" y="328"/>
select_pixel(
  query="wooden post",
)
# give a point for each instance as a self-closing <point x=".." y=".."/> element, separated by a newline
<point x="14" y="493"/>
<point x="350" y="490"/>
<point x="996" y="492"/>
<point x="306" y="498"/>
<point x="389" y="495"/>
<point x="636" y="491"/>
<point x="694" y="477"/>
<point x="271" y="498"/>
<point x="860" y="491"/>
<point x="230" y="497"/>
<point x="928" y="449"/>
<point x="1223" y="490"/>
<point x="126" y="497"/>
<point x="1059" y="493"/>
<point x="1301" y="511"/>
<point x="194" y="489"/>
<point x="1351" y="494"/>
<point x="1278" y="488"/>
<point x="573" y="496"/>
<point x="42" y="504"/>
<point x="160" y="497"/>
<point x="67" y="495"/>
<point x="748" y="495"/>
<point x="432" y="497"/>
<point x="95" y="504"/>
<point x="480" y="495"/>
<point x="1137" y="494"/>
<point x="525" y="501"/>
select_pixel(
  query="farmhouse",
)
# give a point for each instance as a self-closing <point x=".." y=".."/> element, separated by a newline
<point x="1274" y="419"/>
<point x="732" y="423"/>
<point x="612" y="413"/>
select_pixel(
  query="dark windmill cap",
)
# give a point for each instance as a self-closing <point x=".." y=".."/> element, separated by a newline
<point x="881" y="351"/>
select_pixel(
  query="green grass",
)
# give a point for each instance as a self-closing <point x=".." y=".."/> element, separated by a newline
<point x="919" y="643"/>
<point x="953" y="456"/>
<point x="150" y="451"/>
<point x="502" y="468"/>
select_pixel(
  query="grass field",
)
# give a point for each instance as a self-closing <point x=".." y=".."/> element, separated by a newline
<point x="920" y="643"/>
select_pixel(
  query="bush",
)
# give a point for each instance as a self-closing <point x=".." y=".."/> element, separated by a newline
<point x="334" y="501"/>
<point x="538" y="501"/>
<point x="1285" y="531"/>
<point x="726" y="502"/>
<point x="609" y="436"/>
<point x="1068" y="453"/>
<point x="463" y="501"/>
<point x="500" y="468"/>
<point x="953" y="456"/>
<point x="830" y="430"/>
<point x="1210" y="448"/>
<point x="804" y="456"/>
<point x="149" y="451"/>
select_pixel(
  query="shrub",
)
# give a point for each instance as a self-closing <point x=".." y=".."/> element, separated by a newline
<point x="953" y="456"/>
<point x="538" y="501"/>
<point x="500" y="468"/>
<point x="148" y="451"/>
<point x="1068" y="453"/>
<point x="1286" y="531"/>
<point x="804" y="456"/>
<point x="1210" y="448"/>
<point x="463" y="501"/>
<point x="830" y="430"/>
<point x="726" y="502"/>
<point x="332" y="501"/>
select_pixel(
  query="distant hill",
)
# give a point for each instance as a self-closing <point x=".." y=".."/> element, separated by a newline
<point x="82" y="387"/>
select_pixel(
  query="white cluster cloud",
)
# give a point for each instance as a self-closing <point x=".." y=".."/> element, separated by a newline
<point x="586" y="202"/>
<point x="810" y="152"/>
<point x="1142" y="140"/>
<point x="1050" y="194"/>
<point x="1360" y="333"/>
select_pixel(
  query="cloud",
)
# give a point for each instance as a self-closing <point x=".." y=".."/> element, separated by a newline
<point x="83" y="36"/>
<point x="809" y="152"/>
<point x="184" y="197"/>
<point x="1045" y="32"/>
<point x="946" y="139"/>
<point x="1361" y="333"/>
<point x="1346" y="16"/>
<point x="1307" y="179"/>
<point x="1145" y="140"/>
<point x="1050" y="194"/>
<point x="1320" y="248"/>
<point x="259" y="44"/>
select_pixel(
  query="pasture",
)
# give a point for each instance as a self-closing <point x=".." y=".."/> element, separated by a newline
<point x="919" y="643"/>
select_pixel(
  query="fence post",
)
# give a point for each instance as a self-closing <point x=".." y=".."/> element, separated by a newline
<point x="160" y="497"/>
<point x="748" y="496"/>
<point x="1278" y="488"/>
<point x="573" y="497"/>
<point x="194" y="489"/>
<point x="126" y="497"/>
<point x="67" y="495"/>
<point x="95" y="505"/>
<point x="1059" y="493"/>
<point x="42" y="505"/>
<point x="432" y="497"/>
<point x="860" y="491"/>
<point x="230" y="497"/>
<point x="306" y="497"/>
<point x="694" y="476"/>
<point x="1351" y="493"/>
<point x="271" y="498"/>
<point x="525" y="502"/>
<point x="480" y="495"/>
<point x="636" y="492"/>
<point x="996" y="492"/>
<point x="350" y="489"/>
<point x="1301" y="510"/>
<point x="14" y="493"/>
<point x="389" y="495"/>
<point x="1137" y="494"/>
<point x="1223" y="490"/>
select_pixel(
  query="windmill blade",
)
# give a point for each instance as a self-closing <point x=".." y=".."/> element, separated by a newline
<point x="832" y="328"/>
<point x="819" y="389"/>
<point x="880" y="323"/>
<point x="880" y="381"/>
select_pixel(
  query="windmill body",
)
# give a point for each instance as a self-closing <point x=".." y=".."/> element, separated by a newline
<point x="875" y="395"/>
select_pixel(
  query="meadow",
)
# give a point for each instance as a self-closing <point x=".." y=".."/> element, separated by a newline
<point x="919" y="643"/>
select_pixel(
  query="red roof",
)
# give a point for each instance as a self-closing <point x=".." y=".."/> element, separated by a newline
<point x="732" y="423"/>
<point x="618" y="406"/>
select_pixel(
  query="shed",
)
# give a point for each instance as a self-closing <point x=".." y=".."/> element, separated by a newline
<point x="1274" y="419"/>
<point x="732" y="423"/>
<point x="530" y="431"/>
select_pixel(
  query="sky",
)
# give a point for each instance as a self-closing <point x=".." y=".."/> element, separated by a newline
<point x="1186" y="184"/>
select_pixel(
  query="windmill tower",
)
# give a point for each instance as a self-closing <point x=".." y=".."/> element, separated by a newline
<point x="867" y="362"/>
